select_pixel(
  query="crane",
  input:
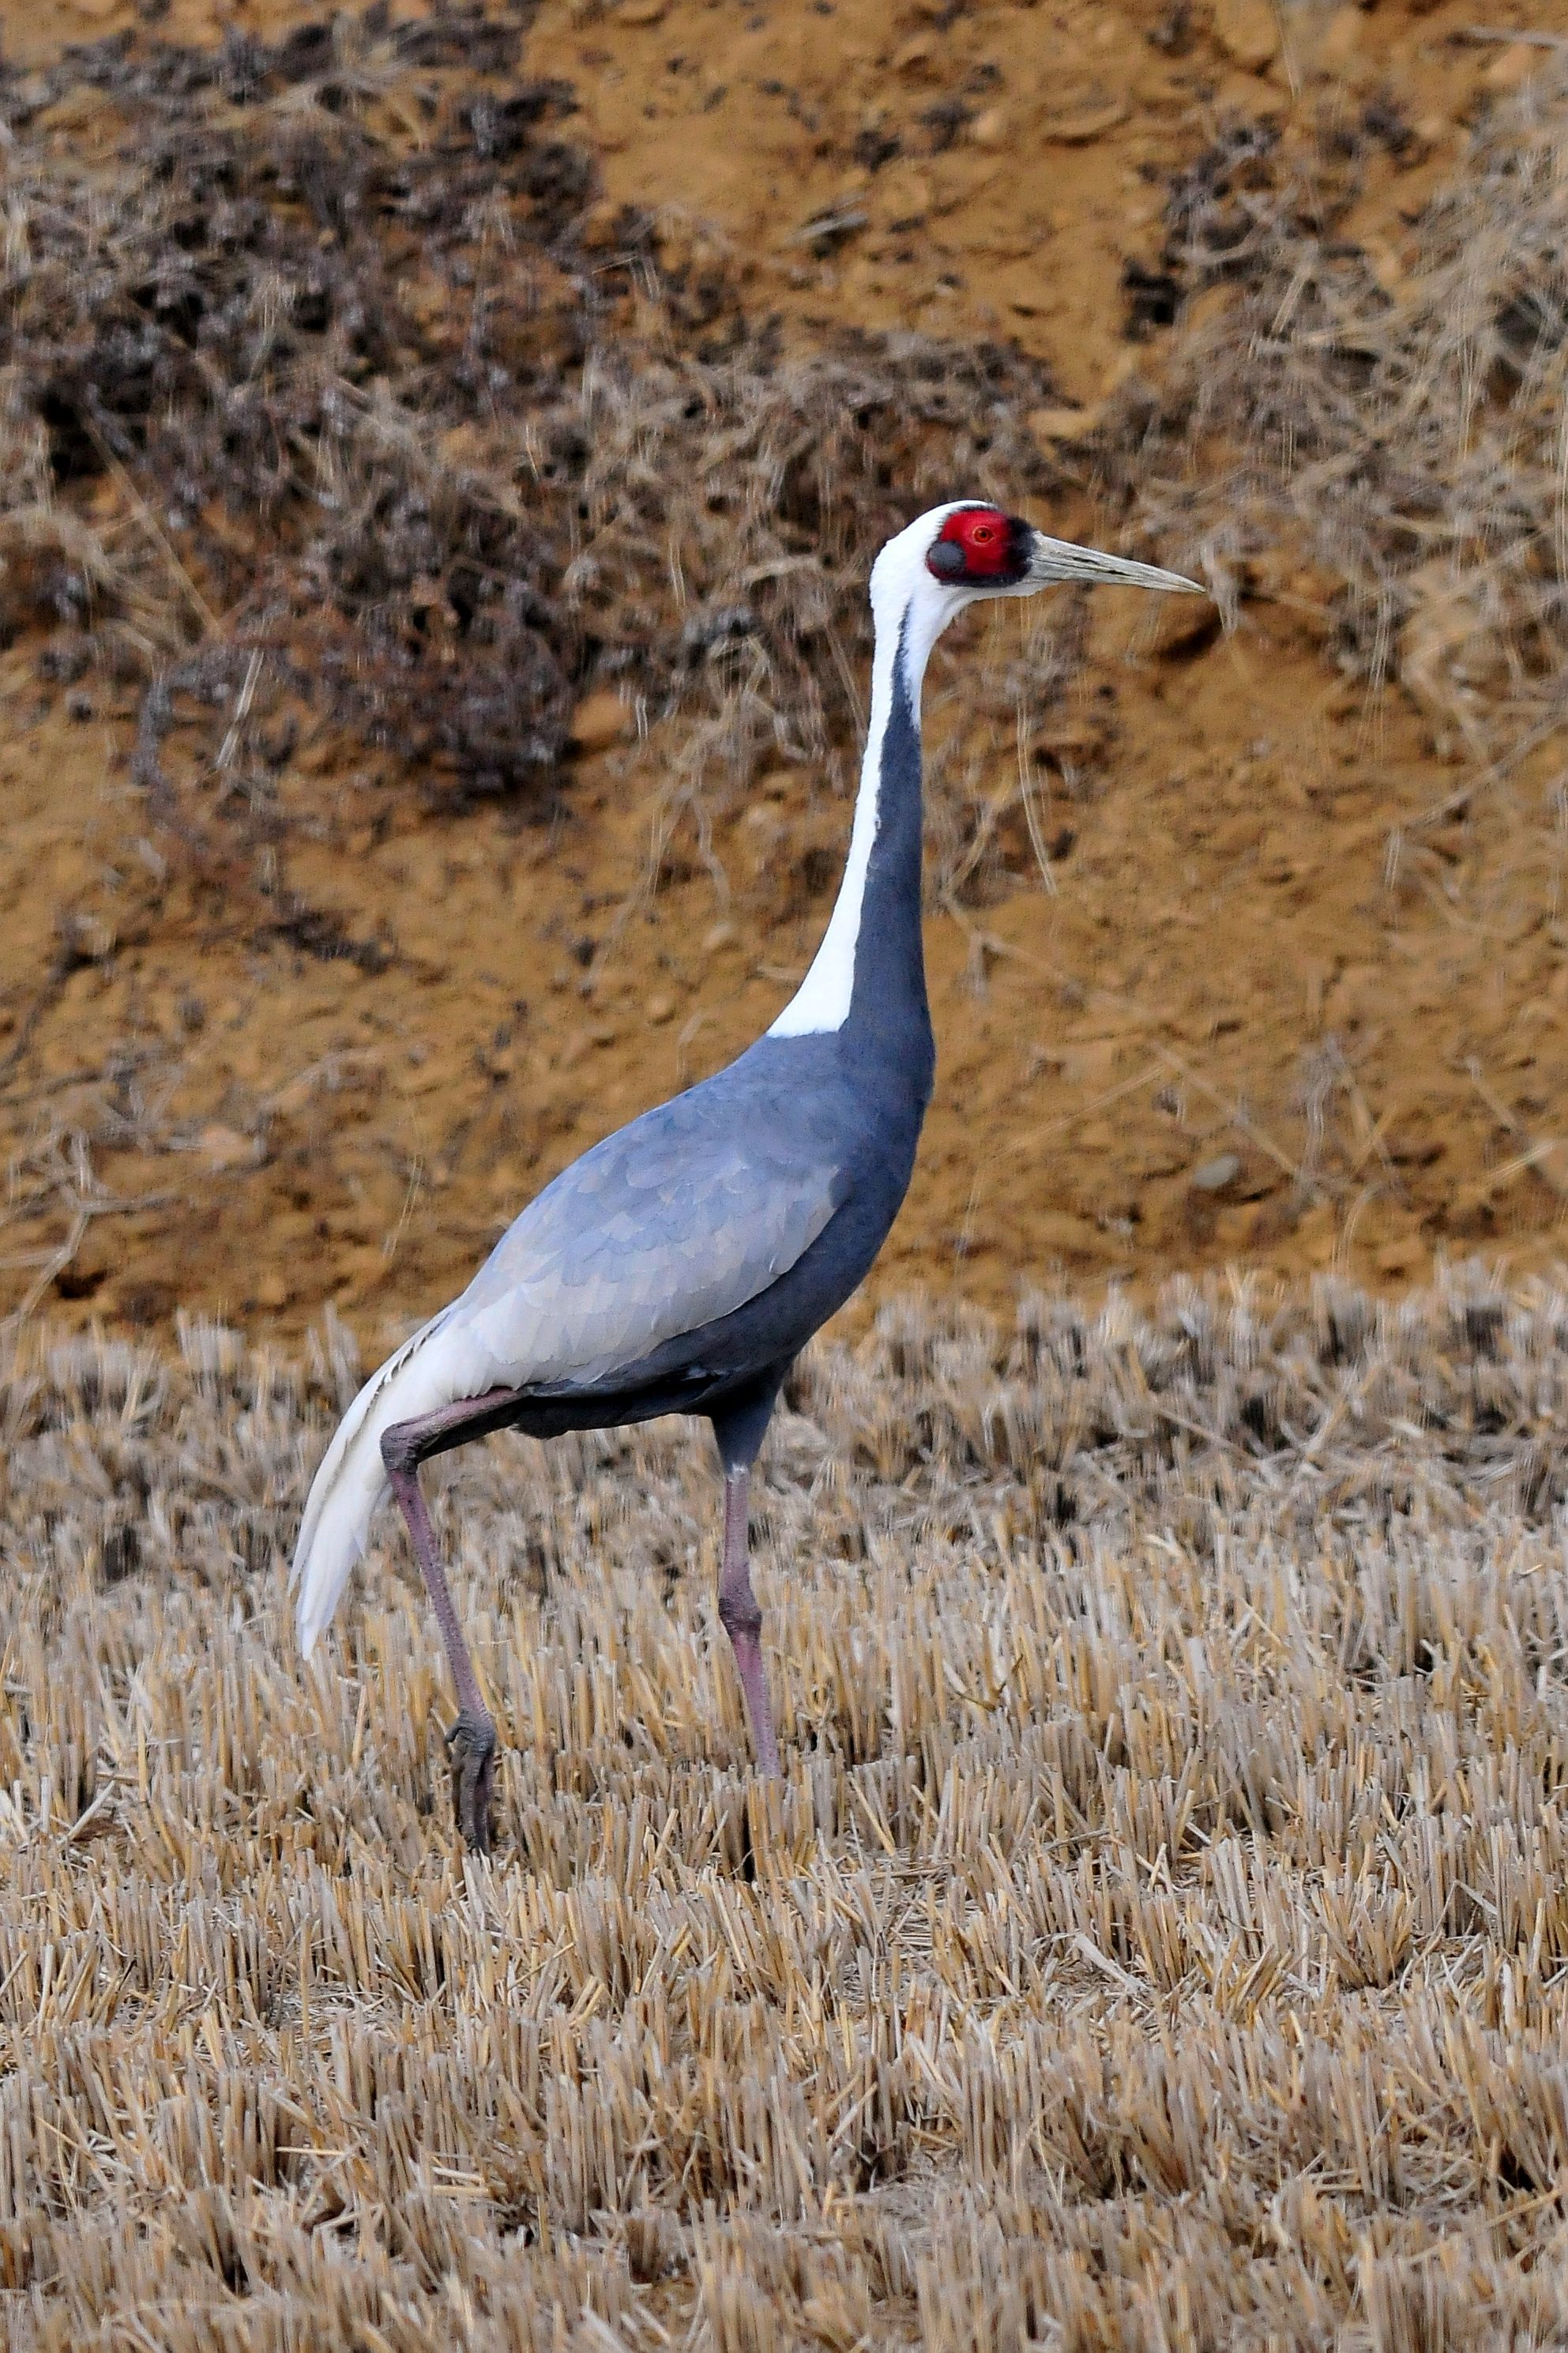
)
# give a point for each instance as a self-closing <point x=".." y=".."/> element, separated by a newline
<point x="681" y="1264"/>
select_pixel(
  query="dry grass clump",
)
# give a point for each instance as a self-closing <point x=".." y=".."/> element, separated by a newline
<point x="325" y="380"/>
<point x="1392" y="421"/>
<point x="1158" y="1940"/>
<point x="251" y="296"/>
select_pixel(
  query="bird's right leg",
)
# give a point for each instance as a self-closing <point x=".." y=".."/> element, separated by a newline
<point x="471" y="1742"/>
<point x="742" y="1619"/>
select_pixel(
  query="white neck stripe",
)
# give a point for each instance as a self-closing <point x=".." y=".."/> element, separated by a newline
<point x="822" y="1000"/>
<point x="912" y="609"/>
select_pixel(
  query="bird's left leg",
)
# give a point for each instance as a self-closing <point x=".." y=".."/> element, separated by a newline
<point x="471" y="1742"/>
<point x="743" y="1619"/>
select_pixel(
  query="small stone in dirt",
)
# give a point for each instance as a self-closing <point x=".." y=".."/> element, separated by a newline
<point x="1085" y="124"/>
<point x="599" y="720"/>
<point x="1047" y="425"/>
<point x="1214" y="1175"/>
<point x="1512" y="66"/>
<point x="1176" y="626"/>
<point x="1341" y="41"/>
<point x="1246" y="32"/>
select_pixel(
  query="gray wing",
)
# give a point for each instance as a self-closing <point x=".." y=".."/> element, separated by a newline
<point x="663" y="1227"/>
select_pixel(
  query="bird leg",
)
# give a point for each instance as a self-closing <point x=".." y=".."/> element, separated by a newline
<point x="471" y="1741"/>
<point x="743" y="1620"/>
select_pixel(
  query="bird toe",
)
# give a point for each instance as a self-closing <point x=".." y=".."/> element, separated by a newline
<point x="471" y="1745"/>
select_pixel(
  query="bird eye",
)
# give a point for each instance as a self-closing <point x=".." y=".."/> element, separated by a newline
<point x="983" y="530"/>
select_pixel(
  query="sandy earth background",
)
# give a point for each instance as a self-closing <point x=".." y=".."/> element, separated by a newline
<point x="1237" y="1029"/>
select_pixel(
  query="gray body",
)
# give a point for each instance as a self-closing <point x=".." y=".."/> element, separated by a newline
<point x="801" y="1151"/>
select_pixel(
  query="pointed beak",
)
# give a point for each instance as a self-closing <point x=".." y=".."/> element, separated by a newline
<point x="1054" y="560"/>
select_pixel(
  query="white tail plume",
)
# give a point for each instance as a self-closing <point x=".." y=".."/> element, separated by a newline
<point x="352" y="1480"/>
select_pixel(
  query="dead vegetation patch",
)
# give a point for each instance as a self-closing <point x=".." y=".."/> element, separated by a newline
<point x="1159" y="1936"/>
<point x="329" y="387"/>
<point x="1374" y="434"/>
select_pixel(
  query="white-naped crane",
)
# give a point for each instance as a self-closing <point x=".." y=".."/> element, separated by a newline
<point x="680" y="1265"/>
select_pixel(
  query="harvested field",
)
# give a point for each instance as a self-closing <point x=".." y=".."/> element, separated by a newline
<point x="1158" y="1939"/>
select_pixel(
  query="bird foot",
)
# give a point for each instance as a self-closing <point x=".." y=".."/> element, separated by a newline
<point x="471" y="1745"/>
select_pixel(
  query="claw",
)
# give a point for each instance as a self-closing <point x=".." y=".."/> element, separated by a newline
<point x="471" y="1745"/>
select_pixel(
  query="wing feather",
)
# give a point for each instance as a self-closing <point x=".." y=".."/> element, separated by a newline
<point x="646" y="1236"/>
<point x="665" y="1227"/>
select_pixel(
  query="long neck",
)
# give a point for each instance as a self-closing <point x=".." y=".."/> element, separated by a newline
<point x="870" y="972"/>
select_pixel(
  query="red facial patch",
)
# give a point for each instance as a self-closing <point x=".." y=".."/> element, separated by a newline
<point x="983" y="537"/>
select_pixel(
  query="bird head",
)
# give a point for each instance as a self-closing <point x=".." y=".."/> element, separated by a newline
<point x="960" y="553"/>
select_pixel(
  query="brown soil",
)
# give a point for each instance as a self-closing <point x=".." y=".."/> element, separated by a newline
<point x="1357" y="1053"/>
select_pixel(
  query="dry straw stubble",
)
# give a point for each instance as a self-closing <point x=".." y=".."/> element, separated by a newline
<point x="1159" y="1938"/>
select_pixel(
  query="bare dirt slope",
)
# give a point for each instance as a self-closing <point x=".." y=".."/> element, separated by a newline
<point x="1263" y="966"/>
